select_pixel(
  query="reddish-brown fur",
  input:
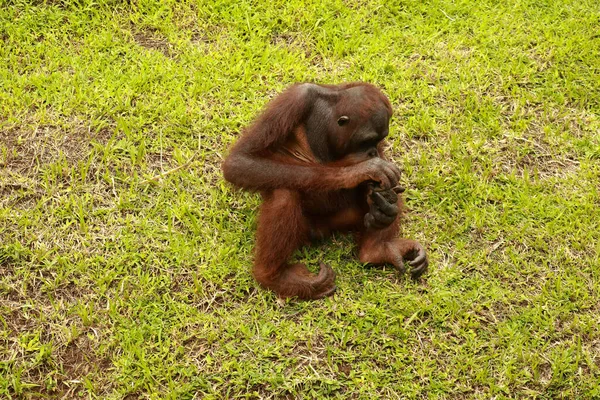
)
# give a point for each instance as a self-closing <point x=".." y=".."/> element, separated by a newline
<point x="316" y="156"/>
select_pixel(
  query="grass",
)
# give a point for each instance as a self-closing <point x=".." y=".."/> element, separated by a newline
<point x="117" y="286"/>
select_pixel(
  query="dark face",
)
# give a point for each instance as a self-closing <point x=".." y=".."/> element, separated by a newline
<point x="349" y="128"/>
<point x="361" y="123"/>
<point x="361" y="136"/>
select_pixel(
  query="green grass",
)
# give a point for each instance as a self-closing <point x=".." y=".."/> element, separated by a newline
<point x="115" y="287"/>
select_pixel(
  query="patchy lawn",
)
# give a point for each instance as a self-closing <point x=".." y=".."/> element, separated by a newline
<point x="117" y="285"/>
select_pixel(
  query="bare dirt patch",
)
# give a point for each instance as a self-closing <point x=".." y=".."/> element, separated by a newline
<point x="151" y="41"/>
<point x="80" y="357"/>
<point x="532" y="155"/>
<point x="29" y="148"/>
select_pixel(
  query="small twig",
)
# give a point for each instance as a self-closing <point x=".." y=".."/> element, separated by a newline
<point x="112" y="178"/>
<point x="411" y="319"/>
<point x="169" y="172"/>
<point x="447" y="16"/>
